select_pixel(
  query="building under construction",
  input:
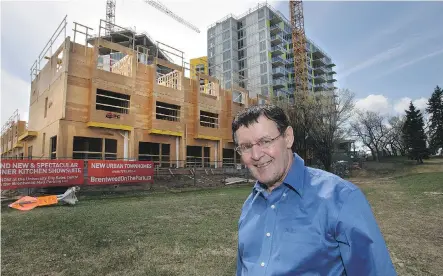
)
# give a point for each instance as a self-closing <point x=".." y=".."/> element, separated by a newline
<point x="11" y="131"/>
<point x="118" y="95"/>
<point x="255" y="51"/>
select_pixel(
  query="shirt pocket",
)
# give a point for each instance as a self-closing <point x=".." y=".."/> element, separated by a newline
<point x="302" y="238"/>
<point x="301" y="235"/>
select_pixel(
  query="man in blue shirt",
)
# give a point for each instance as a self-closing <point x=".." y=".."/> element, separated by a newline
<point x="300" y="220"/>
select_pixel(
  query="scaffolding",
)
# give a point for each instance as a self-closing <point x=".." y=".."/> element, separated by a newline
<point x="13" y="120"/>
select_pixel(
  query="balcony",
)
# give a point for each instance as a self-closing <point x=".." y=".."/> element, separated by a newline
<point x="320" y="87"/>
<point x="308" y="60"/>
<point x="275" y="29"/>
<point x="278" y="83"/>
<point x="330" y="65"/>
<point x="319" y="62"/>
<point x="319" y="70"/>
<point x="276" y="39"/>
<point x="275" y="19"/>
<point x="331" y="80"/>
<point x="277" y="61"/>
<point x="317" y="53"/>
<point x="332" y="72"/>
<point x="319" y="79"/>
<point x="278" y="72"/>
<point x="277" y="50"/>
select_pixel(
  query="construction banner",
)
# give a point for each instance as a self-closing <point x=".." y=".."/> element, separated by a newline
<point x="16" y="174"/>
<point x="119" y="172"/>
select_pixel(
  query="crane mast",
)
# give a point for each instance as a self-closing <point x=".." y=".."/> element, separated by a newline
<point x="110" y="16"/>
<point x="299" y="46"/>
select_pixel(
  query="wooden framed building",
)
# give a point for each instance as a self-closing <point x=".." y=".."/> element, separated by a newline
<point x="103" y="99"/>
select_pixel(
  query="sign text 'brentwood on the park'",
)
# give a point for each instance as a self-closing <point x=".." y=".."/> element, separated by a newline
<point x="40" y="173"/>
<point x="115" y="172"/>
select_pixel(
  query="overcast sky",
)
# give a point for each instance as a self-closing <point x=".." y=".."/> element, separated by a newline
<point x="387" y="53"/>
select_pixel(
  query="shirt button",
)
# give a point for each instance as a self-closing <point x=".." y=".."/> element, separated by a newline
<point x="272" y="206"/>
<point x="284" y="194"/>
<point x="262" y="264"/>
<point x="268" y="234"/>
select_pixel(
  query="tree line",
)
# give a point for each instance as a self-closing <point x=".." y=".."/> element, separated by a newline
<point x="324" y="119"/>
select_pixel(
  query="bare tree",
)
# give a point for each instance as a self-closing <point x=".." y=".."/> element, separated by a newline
<point x="372" y="131"/>
<point x="300" y="119"/>
<point x="330" y="113"/>
<point x="319" y="122"/>
<point x="395" y="137"/>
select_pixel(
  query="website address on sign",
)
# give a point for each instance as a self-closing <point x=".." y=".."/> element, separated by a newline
<point x="134" y="178"/>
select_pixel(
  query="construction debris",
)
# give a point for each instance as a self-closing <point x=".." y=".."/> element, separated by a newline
<point x="235" y="180"/>
<point x="27" y="203"/>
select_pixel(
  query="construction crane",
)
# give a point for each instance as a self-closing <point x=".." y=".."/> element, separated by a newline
<point x="299" y="46"/>
<point x="161" y="7"/>
<point x="110" y="14"/>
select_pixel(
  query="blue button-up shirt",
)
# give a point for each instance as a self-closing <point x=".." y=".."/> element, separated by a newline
<point x="315" y="223"/>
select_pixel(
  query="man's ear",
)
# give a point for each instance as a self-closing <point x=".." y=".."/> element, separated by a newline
<point x="289" y="137"/>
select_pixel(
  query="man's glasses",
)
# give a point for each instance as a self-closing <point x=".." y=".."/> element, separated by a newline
<point x="263" y="143"/>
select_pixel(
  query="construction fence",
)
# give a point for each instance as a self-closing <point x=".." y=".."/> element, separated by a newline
<point x="31" y="176"/>
<point x="45" y="175"/>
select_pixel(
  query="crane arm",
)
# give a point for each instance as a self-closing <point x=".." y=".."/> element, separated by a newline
<point x="161" y="7"/>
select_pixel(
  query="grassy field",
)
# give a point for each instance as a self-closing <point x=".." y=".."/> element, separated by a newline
<point x="194" y="232"/>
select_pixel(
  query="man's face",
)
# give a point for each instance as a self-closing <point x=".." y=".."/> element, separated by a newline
<point x="267" y="163"/>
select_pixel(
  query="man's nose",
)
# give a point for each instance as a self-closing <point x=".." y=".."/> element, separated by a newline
<point x="256" y="152"/>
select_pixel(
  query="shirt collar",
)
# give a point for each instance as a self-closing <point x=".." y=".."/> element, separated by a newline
<point x="294" y="179"/>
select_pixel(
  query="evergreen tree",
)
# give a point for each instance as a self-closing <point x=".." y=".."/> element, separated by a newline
<point x="435" y="111"/>
<point x="414" y="135"/>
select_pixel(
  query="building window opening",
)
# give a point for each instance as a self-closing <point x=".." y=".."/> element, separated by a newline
<point x="30" y="152"/>
<point x="228" y="158"/>
<point x="206" y="157"/>
<point x="156" y="152"/>
<point x="165" y="155"/>
<point x="193" y="156"/>
<point x="112" y="101"/>
<point x="168" y="112"/>
<point x="208" y="119"/>
<point x="115" y="62"/>
<point x="110" y="149"/>
<point x="87" y="148"/>
<point x="53" y="146"/>
<point x="46" y="107"/>
<point x="168" y="77"/>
